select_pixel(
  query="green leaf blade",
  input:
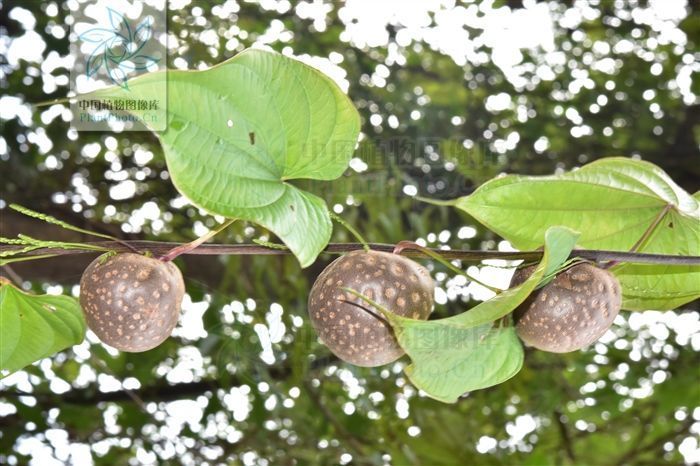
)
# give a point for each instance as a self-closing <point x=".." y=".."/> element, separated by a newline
<point x="612" y="202"/>
<point x="485" y="357"/>
<point x="466" y="352"/>
<point x="650" y="286"/>
<point x="260" y="121"/>
<point x="559" y="243"/>
<point x="34" y="327"/>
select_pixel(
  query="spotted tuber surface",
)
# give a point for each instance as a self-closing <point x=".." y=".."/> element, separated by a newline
<point x="351" y="328"/>
<point x="131" y="302"/>
<point x="572" y="311"/>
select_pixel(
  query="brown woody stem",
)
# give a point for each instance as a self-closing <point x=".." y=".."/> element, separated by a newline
<point x="160" y="248"/>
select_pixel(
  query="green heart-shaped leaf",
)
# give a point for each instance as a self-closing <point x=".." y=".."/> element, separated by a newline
<point x="452" y="356"/>
<point x="239" y="132"/>
<point x="612" y="202"/>
<point x="34" y="327"/>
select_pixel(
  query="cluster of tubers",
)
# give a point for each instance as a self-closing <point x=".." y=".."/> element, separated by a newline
<point x="572" y="311"/>
<point x="132" y="302"/>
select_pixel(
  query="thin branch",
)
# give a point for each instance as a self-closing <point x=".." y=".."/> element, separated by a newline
<point x="657" y="443"/>
<point x="565" y="436"/>
<point x="12" y="274"/>
<point x="339" y="428"/>
<point x="91" y="395"/>
<point x="637" y="442"/>
<point x="159" y="248"/>
<point x="130" y="393"/>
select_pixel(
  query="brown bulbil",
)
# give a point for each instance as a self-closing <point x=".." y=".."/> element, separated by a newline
<point x="131" y="302"/>
<point x="570" y="312"/>
<point x="357" y="335"/>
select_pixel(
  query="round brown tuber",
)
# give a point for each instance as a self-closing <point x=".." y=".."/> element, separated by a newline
<point x="131" y="302"/>
<point x="570" y="312"/>
<point x="351" y="328"/>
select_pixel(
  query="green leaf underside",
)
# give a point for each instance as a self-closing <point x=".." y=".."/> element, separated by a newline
<point x="612" y="202"/>
<point x="466" y="352"/>
<point x="240" y="131"/>
<point x="480" y="358"/>
<point x="34" y="327"/>
<point x="652" y="286"/>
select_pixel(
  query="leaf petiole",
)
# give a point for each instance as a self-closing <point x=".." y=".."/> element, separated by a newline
<point x="428" y="252"/>
<point x="351" y="229"/>
<point x="182" y="249"/>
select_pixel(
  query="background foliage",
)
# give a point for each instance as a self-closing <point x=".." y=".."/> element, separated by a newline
<point x="244" y="379"/>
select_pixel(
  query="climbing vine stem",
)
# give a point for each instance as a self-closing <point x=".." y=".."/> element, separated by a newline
<point x="160" y="248"/>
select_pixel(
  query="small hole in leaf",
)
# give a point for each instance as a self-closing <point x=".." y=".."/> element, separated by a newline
<point x="50" y="308"/>
<point x="229" y="123"/>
